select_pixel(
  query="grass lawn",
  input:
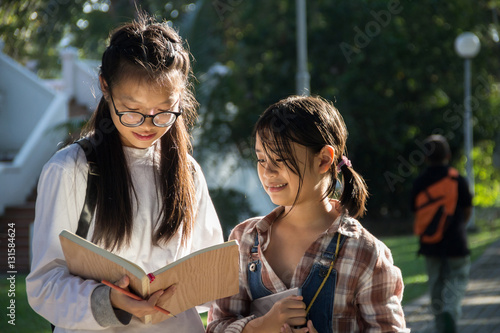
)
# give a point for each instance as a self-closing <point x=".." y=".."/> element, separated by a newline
<point x="26" y="320"/>
<point x="403" y="249"/>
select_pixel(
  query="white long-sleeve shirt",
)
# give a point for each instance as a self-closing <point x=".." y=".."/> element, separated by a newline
<point x="65" y="299"/>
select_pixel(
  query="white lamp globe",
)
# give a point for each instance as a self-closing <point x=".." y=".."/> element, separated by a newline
<point x="467" y="45"/>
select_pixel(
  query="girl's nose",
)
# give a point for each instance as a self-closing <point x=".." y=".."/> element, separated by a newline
<point x="148" y="123"/>
<point x="270" y="169"/>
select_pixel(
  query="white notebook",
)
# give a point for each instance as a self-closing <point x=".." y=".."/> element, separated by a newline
<point x="262" y="305"/>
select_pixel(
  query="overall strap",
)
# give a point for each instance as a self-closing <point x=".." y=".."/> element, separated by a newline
<point x="332" y="250"/>
<point x="254" y="251"/>
<point x="255" y="247"/>
<point x="91" y="194"/>
<point x="335" y="244"/>
<point x="254" y="273"/>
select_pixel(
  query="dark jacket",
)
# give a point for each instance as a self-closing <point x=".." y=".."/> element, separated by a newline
<point x="454" y="243"/>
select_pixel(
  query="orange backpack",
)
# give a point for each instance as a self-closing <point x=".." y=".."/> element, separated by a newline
<point x="435" y="206"/>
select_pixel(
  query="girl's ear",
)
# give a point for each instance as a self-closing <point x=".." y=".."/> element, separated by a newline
<point x="104" y="87"/>
<point x="325" y="156"/>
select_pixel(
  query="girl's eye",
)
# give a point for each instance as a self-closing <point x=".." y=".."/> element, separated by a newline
<point x="261" y="161"/>
<point x="123" y="106"/>
<point x="131" y="109"/>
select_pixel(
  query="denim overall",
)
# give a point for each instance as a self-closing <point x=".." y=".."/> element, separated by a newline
<point x="322" y="309"/>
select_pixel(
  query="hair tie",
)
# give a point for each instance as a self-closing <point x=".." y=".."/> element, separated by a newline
<point x="344" y="161"/>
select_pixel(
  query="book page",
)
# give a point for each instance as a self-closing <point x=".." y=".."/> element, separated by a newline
<point x="201" y="277"/>
<point x="89" y="261"/>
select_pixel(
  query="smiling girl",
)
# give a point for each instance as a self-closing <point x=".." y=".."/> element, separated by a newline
<point x="346" y="277"/>
<point x="153" y="205"/>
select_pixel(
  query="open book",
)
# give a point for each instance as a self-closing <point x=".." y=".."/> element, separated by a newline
<point x="202" y="276"/>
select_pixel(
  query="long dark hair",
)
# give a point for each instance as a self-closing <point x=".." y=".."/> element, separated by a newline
<point x="154" y="51"/>
<point x="314" y="123"/>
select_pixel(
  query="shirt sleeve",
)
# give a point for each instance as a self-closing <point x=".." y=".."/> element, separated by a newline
<point x="54" y="293"/>
<point x="380" y="294"/>
<point x="231" y="314"/>
<point x="207" y="229"/>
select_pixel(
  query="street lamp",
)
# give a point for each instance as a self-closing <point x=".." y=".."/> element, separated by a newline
<point x="467" y="46"/>
<point x="302" y="78"/>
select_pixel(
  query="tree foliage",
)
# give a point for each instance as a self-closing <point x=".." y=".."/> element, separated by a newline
<point x="388" y="65"/>
<point x="39" y="29"/>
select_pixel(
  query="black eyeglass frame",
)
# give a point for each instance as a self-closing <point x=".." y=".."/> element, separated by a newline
<point x="144" y="116"/>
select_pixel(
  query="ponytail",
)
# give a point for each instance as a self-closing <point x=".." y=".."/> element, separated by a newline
<point x="355" y="192"/>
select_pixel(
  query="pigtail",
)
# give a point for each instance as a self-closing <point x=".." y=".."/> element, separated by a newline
<point x="355" y="192"/>
<point x="113" y="215"/>
<point x="177" y="186"/>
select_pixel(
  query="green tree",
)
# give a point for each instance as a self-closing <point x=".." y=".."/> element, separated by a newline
<point x="38" y="29"/>
<point x="389" y="66"/>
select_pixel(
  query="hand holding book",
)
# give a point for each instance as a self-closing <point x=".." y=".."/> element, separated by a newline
<point x="122" y="298"/>
<point x="275" y="310"/>
<point x="200" y="277"/>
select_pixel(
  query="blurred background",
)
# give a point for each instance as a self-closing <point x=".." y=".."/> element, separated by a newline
<point x="390" y="67"/>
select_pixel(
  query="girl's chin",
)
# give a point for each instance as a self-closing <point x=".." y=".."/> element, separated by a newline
<point x="279" y="201"/>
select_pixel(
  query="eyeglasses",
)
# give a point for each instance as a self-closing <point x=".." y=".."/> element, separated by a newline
<point x="134" y="119"/>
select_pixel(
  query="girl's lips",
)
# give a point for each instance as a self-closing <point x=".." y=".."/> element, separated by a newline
<point x="143" y="137"/>
<point x="277" y="187"/>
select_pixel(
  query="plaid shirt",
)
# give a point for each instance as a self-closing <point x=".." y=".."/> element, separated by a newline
<point x="369" y="287"/>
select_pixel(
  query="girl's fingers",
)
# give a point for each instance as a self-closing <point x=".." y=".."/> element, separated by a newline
<point x="138" y="308"/>
<point x="169" y="292"/>
<point x="287" y="329"/>
<point x="297" y="319"/>
<point x="298" y="322"/>
<point x="310" y="326"/>
<point x="123" y="282"/>
<point x="294" y="298"/>
<point x="294" y="302"/>
<point x="163" y="294"/>
<point x="153" y="299"/>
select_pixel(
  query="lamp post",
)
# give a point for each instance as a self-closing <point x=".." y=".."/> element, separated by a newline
<point x="467" y="46"/>
<point x="302" y="78"/>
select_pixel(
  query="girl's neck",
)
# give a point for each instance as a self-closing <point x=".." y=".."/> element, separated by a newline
<point x="311" y="215"/>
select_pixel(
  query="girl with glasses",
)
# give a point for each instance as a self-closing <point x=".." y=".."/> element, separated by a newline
<point x="346" y="278"/>
<point x="153" y="205"/>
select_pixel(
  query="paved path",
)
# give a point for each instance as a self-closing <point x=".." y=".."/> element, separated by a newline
<point x="480" y="306"/>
